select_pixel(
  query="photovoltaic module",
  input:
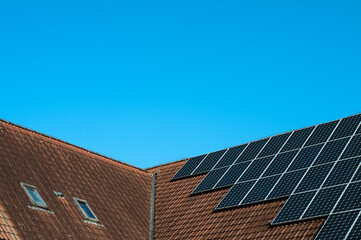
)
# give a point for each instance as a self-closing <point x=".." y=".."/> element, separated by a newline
<point x="317" y="168"/>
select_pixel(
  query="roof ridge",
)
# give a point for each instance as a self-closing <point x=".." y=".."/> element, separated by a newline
<point x="258" y="139"/>
<point x="166" y="163"/>
<point x="71" y="145"/>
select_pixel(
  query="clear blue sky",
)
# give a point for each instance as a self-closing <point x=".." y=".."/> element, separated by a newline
<point x="148" y="82"/>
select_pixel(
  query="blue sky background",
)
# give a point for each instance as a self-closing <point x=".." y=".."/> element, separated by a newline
<point x="148" y="82"/>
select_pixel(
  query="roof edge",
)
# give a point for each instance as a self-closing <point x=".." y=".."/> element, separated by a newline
<point x="275" y="134"/>
<point x="71" y="145"/>
<point x="165" y="164"/>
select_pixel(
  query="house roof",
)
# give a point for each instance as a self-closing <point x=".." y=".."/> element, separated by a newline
<point x="187" y="195"/>
<point x="178" y="215"/>
<point x="263" y="189"/>
<point x="118" y="193"/>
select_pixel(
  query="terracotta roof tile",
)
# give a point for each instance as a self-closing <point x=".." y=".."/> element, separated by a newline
<point x="119" y="194"/>
<point x="181" y="216"/>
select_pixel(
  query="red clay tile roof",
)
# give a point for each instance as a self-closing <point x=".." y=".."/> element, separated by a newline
<point x="118" y="193"/>
<point x="181" y="216"/>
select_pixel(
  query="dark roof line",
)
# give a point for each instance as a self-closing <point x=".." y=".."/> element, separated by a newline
<point x="72" y="145"/>
<point x="272" y="135"/>
<point x="166" y="163"/>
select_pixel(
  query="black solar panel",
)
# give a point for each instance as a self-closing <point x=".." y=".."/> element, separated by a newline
<point x="337" y="226"/>
<point x="354" y="148"/>
<point x="357" y="176"/>
<point x="274" y="145"/>
<point x="252" y="150"/>
<point x="305" y="158"/>
<point x="297" y="139"/>
<point x="235" y="195"/>
<point x="294" y="207"/>
<point x="318" y="167"/>
<point x="260" y="190"/>
<point x="233" y="174"/>
<point x="321" y="133"/>
<point x="342" y="172"/>
<point x="231" y="155"/>
<point x="209" y="162"/>
<point x="280" y="163"/>
<point x="256" y="169"/>
<point x="346" y="127"/>
<point x="331" y="151"/>
<point x="189" y="167"/>
<point x="324" y="202"/>
<point x="356" y="230"/>
<point x="287" y="184"/>
<point x="351" y="199"/>
<point x="210" y="180"/>
<point x="314" y="178"/>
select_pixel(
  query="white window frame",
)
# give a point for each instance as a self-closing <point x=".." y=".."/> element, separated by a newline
<point x="28" y="186"/>
<point x="76" y="201"/>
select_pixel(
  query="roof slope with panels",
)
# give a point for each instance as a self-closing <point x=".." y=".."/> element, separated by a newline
<point x="117" y="193"/>
<point x="317" y="169"/>
<point x="302" y="184"/>
<point x="179" y="215"/>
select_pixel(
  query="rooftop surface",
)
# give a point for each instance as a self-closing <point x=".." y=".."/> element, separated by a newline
<point x="118" y="194"/>
<point x="188" y="203"/>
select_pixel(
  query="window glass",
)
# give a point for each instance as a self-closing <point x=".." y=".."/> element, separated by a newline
<point x="87" y="210"/>
<point x="35" y="195"/>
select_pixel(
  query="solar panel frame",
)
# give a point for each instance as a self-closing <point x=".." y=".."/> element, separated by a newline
<point x="298" y="139"/>
<point x="348" y="200"/>
<point x="322" y="133"/>
<point x="284" y="187"/>
<point x="355" y="230"/>
<point x="328" y="174"/>
<point x="314" y="158"/>
<point x="189" y="167"/>
<point x="231" y="156"/>
<point x="209" y="162"/>
<point x="305" y="157"/>
<point x="354" y="148"/>
<point x="252" y="150"/>
<point x="210" y="180"/>
<point x="337" y="175"/>
<point x="337" y="226"/>
<point x="332" y="150"/>
<point x="347" y="127"/>
<point x="239" y="195"/>
<point x="357" y="175"/>
<point x="275" y="144"/>
<point x="323" y="202"/>
<point x="280" y="163"/>
<point x="256" y="169"/>
<point x="260" y="190"/>
<point x="334" y="208"/>
<point x="323" y="140"/>
<point x="288" y="202"/>
<point x="230" y="177"/>
<point x="289" y="212"/>
<point x="358" y="130"/>
<point x="314" y="177"/>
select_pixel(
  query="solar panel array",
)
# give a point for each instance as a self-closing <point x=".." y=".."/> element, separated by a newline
<point x="317" y="167"/>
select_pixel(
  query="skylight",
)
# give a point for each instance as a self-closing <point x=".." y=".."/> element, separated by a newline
<point x="34" y="195"/>
<point x="85" y="209"/>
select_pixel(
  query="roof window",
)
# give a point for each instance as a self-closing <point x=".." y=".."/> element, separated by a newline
<point x="34" y="195"/>
<point x="85" y="209"/>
